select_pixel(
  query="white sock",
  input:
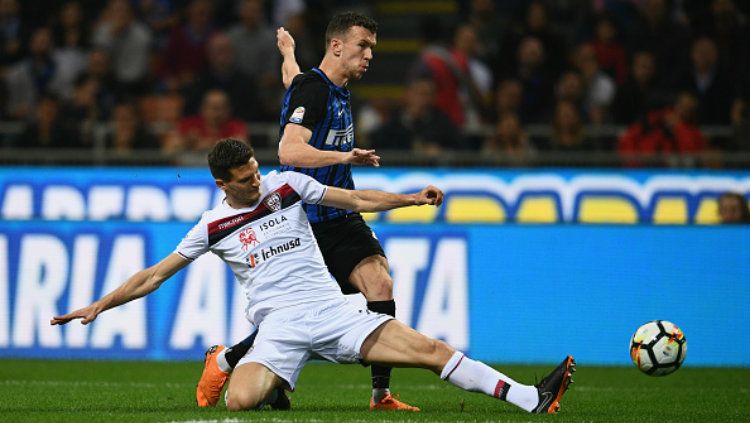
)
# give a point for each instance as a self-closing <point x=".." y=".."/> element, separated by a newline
<point x="221" y="360"/>
<point x="476" y="376"/>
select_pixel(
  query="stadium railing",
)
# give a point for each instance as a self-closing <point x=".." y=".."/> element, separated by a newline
<point x="264" y="136"/>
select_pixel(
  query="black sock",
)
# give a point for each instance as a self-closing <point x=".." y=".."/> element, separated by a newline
<point x="237" y="351"/>
<point x="381" y="375"/>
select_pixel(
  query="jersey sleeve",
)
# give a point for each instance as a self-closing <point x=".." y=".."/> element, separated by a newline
<point x="309" y="190"/>
<point x="307" y="102"/>
<point x="195" y="242"/>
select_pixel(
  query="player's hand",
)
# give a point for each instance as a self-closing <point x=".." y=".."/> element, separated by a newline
<point x="430" y="195"/>
<point x="362" y="157"/>
<point x="86" y="314"/>
<point x="284" y="41"/>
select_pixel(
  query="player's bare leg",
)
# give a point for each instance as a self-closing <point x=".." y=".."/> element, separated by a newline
<point x="372" y="279"/>
<point x="398" y="345"/>
<point x="251" y="386"/>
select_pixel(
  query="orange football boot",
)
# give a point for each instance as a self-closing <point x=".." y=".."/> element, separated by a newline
<point x="391" y="402"/>
<point x="213" y="379"/>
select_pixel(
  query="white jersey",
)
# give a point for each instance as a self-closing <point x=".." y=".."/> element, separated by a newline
<point x="269" y="245"/>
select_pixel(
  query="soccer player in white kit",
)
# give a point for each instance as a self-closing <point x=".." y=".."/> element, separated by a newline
<point x="261" y="231"/>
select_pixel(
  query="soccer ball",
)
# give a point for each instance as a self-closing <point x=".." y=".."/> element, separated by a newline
<point x="658" y="348"/>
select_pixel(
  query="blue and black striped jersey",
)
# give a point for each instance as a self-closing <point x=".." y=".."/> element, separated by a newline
<point x="318" y="104"/>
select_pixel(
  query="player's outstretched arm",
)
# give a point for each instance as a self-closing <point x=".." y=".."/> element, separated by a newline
<point x="295" y="151"/>
<point x="373" y="200"/>
<point x="140" y="284"/>
<point x="289" y="66"/>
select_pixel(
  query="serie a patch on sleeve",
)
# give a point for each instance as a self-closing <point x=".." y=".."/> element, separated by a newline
<point x="297" y="115"/>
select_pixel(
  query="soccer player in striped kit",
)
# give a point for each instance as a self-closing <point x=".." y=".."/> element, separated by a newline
<point x="317" y="139"/>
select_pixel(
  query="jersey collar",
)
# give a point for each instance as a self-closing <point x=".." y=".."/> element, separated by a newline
<point x="343" y="91"/>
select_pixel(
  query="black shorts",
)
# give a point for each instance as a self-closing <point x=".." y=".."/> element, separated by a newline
<point x="345" y="242"/>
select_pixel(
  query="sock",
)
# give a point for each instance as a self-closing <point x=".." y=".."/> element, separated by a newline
<point x="476" y="376"/>
<point x="381" y="376"/>
<point x="233" y="354"/>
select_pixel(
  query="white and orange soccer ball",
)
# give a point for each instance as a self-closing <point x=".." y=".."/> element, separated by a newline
<point x="658" y="348"/>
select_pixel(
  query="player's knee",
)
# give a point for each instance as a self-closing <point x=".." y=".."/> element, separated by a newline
<point x="242" y="400"/>
<point x="434" y="353"/>
<point x="383" y="287"/>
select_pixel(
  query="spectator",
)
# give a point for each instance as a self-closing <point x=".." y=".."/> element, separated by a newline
<point x="709" y="83"/>
<point x="127" y="133"/>
<point x="185" y="56"/>
<point x="536" y="79"/>
<point x="609" y="53"/>
<point x="536" y="25"/>
<point x="568" y="133"/>
<point x="106" y="90"/>
<point x="489" y="30"/>
<point x="47" y="130"/>
<point x="733" y="208"/>
<point x="127" y="43"/>
<point x="670" y="131"/>
<point x="658" y="31"/>
<point x="570" y="88"/>
<point x="37" y="74"/>
<point x="11" y="32"/>
<point x="71" y="31"/>
<point x="254" y="44"/>
<point x="419" y="126"/>
<point x="724" y="23"/>
<point x="160" y="19"/>
<point x="509" y="97"/>
<point x="223" y="75"/>
<point x="435" y="63"/>
<point x="508" y="138"/>
<point x="640" y="93"/>
<point x="81" y="112"/>
<point x="200" y="132"/>
<point x="478" y="74"/>
<point x="599" y="88"/>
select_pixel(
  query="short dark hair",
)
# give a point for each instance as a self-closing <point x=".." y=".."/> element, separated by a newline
<point x="341" y="23"/>
<point x="227" y="154"/>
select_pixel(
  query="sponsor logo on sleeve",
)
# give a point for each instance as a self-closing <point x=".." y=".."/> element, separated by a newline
<point x="297" y="115"/>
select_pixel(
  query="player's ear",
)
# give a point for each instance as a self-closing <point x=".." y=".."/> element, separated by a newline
<point x="336" y="46"/>
<point x="220" y="184"/>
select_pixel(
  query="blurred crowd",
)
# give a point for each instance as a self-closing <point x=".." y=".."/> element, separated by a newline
<point x="175" y="75"/>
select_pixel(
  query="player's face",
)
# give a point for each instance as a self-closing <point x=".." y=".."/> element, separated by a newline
<point x="244" y="188"/>
<point x="356" y="51"/>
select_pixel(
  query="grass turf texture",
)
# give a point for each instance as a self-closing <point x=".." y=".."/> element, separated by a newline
<point x="75" y="391"/>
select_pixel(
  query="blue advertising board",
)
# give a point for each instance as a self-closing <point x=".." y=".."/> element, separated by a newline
<point x="472" y="196"/>
<point x="503" y="293"/>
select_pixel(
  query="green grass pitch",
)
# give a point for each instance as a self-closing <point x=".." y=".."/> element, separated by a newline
<point x="101" y="391"/>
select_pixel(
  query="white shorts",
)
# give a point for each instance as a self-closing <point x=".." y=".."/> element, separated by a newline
<point x="332" y="330"/>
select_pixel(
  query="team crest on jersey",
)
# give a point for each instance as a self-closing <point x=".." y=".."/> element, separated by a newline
<point x="248" y="238"/>
<point x="273" y="201"/>
<point x="297" y="115"/>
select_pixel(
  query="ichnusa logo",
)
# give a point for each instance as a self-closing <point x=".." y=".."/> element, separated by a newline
<point x="255" y="259"/>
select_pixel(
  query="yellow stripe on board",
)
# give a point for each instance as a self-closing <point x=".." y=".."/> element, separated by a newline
<point x="708" y="212"/>
<point x="474" y="209"/>
<point x="424" y="214"/>
<point x="607" y="210"/>
<point x="537" y="209"/>
<point x="671" y="211"/>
